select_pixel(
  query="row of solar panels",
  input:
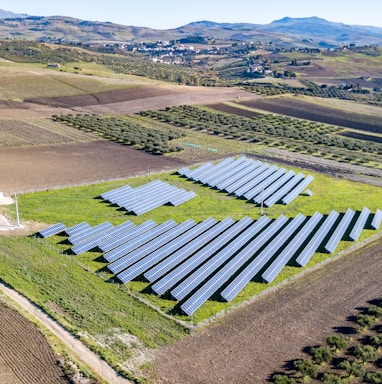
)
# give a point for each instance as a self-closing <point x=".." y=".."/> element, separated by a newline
<point x="192" y="260"/>
<point x="254" y="180"/>
<point x="147" y="197"/>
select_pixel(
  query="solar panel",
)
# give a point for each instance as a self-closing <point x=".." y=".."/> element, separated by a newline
<point x="264" y="194"/>
<point x="126" y="236"/>
<point x="116" y="191"/>
<point x="264" y="184"/>
<point x="283" y="190"/>
<point x="196" y="171"/>
<point x="255" y="181"/>
<point x="182" y="198"/>
<point x="94" y="231"/>
<point x="376" y="222"/>
<point x="248" y="167"/>
<point x="225" y="172"/>
<point x="293" y="245"/>
<point x="129" y="261"/>
<point x="245" y="241"/>
<point x="220" y="242"/>
<point x="52" y="230"/>
<point x="116" y="253"/>
<point x="77" y="228"/>
<point x="158" y="255"/>
<point x="314" y="243"/>
<point x="359" y="224"/>
<point x="90" y="242"/>
<point x="203" y="177"/>
<point x="250" y="271"/>
<point x="336" y="237"/>
<point x="166" y="265"/>
<point x="183" y="269"/>
<point x="297" y="190"/>
<point x="239" y="186"/>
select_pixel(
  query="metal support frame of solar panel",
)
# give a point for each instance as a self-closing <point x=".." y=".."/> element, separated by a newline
<point x="277" y="196"/>
<point x="169" y="280"/>
<point x="297" y="190"/>
<point x="90" y="242"/>
<point x="116" y="253"/>
<point x="52" y="230"/>
<point x="314" y="243"/>
<point x="339" y="231"/>
<point x="212" y="171"/>
<point x="290" y="250"/>
<point x="249" y="166"/>
<point x="151" y="246"/>
<point x="177" y="256"/>
<point x="377" y="219"/>
<point x="244" y="243"/>
<point x="93" y="231"/>
<point x="251" y="270"/>
<point x="215" y="177"/>
<point x="277" y="184"/>
<point x="220" y="243"/>
<point x="359" y="224"/>
<point x="139" y="260"/>
<point x="231" y="169"/>
<point x="126" y="236"/>
<point x="255" y="181"/>
<point x="77" y="228"/>
<point x="240" y="185"/>
<point x="265" y="183"/>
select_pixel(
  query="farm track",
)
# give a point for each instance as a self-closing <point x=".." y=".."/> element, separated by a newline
<point x="251" y="343"/>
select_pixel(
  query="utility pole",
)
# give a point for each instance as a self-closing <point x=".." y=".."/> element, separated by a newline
<point x="17" y="213"/>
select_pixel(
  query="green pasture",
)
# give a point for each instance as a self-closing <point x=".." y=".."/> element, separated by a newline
<point x="74" y="205"/>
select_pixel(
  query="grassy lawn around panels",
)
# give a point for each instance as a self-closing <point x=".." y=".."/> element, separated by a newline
<point x="63" y="274"/>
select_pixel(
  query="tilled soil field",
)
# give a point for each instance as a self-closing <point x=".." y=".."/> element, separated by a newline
<point x="25" y="355"/>
<point x="252" y="343"/>
<point x="49" y="167"/>
<point x="303" y="110"/>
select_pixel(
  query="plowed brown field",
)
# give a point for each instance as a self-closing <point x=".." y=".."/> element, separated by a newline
<point x="25" y="355"/>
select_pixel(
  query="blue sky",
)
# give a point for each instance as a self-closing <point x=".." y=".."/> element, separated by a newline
<point x="165" y="14"/>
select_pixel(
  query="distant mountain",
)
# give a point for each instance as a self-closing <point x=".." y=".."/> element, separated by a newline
<point x="309" y="31"/>
<point x="11" y="15"/>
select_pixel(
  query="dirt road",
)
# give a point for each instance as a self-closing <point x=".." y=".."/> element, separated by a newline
<point x="82" y="353"/>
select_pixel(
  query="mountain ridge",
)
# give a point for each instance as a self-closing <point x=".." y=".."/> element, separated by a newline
<point x="287" y="31"/>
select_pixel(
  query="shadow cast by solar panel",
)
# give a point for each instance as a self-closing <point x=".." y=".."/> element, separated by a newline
<point x="321" y="247"/>
<point x="369" y="221"/>
<point x="350" y="227"/>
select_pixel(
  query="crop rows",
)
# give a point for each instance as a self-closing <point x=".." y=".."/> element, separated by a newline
<point x="260" y="127"/>
<point x="124" y="131"/>
<point x="17" y="133"/>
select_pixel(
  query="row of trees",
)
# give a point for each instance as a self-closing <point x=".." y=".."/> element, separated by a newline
<point x="124" y="131"/>
<point x="260" y="127"/>
<point x="344" y="359"/>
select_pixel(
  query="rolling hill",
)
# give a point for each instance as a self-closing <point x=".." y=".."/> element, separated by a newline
<point x="309" y="31"/>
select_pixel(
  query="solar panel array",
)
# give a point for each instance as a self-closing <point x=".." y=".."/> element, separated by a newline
<point x="255" y="181"/>
<point x="147" y="197"/>
<point x="193" y="261"/>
